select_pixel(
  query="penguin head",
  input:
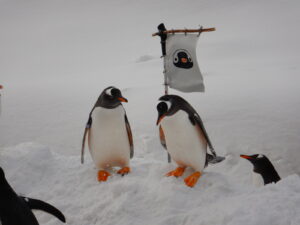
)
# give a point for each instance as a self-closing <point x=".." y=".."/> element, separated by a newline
<point x="111" y="97"/>
<point x="162" y="109"/>
<point x="264" y="167"/>
<point x="259" y="161"/>
<point x="168" y="106"/>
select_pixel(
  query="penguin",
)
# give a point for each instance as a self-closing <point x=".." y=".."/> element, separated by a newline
<point x="109" y="134"/>
<point x="16" y="210"/>
<point x="183" y="135"/>
<point x="182" y="59"/>
<point x="263" y="170"/>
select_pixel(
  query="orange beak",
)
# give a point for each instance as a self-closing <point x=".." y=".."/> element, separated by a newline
<point x="184" y="60"/>
<point x="160" y="119"/>
<point x="121" y="99"/>
<point x="245" y="157"/>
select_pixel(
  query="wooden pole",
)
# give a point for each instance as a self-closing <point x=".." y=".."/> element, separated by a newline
<point x="165" y="77"/>
<point x="186" y="31"/>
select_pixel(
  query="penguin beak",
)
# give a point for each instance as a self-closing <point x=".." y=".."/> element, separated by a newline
<point x="122" y="99"/>
<point x="245" y="156"/>
<point x="184" y="60"/>
<point x="160" y="117"/>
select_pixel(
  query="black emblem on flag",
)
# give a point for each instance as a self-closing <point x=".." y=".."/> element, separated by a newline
<point x="182" y="59"/>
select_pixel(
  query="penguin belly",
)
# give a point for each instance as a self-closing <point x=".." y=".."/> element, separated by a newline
<point x="108" y="138"/>
<point x="183" y="141"/>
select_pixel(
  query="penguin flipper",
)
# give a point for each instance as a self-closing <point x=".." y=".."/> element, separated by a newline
<point x="129" y="133"/>
<point x="163" y="141"/>
<point x="41" y="205"/>
<point x="86" y="131"/>
<point x="196" y="121"/>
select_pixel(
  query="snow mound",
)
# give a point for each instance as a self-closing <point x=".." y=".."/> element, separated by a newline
<point x="145" y="196"/>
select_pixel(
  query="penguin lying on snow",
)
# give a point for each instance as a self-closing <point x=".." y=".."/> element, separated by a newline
<point x="109" y="134"/>
<point x="16" y="210"/>
<point x="263" y="170"/>
<point x="183" y="135"/>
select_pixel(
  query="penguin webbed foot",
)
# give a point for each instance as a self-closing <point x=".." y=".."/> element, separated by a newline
<point x="191" y="180"/>
<point x="103" y="175"/>
<point x="124" y="171"/>
<point x="178" y="172"/>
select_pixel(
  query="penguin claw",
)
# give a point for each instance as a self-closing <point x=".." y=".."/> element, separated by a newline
<point x="191" y="180"/>
<point x="124" y="171"/>
<point x="176" y="173"/>
<point x="103" y="175"/>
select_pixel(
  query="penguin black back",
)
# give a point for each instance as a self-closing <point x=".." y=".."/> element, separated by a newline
<point x="263" y="166"/>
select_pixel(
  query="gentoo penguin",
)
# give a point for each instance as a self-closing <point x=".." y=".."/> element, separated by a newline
<point x="263" y="170"/>
<point x="183" y="135"/>
<point x="109" y="134"/>
<point x="182" y="59"/>
<point x="16" y="210"/>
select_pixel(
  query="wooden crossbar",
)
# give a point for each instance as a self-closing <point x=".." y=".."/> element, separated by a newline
<point x="186" y="31"/>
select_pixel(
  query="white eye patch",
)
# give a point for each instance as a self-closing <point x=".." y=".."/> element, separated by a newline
<point x="108" y="91"/>
<point x="260" y="156"/>
<point x="168" y="104"/>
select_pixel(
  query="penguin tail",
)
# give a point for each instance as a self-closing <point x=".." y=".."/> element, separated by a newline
<point x="214" y="159"/>
<point x="41" y="205"/>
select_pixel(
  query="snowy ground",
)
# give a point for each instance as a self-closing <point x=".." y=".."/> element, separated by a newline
<point x="55" y="59"/>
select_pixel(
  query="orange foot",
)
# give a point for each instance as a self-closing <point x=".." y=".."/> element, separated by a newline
<point x="103" y="175"/>
<point x="176" y="173"/>
<point x="124" y="171"/>
<point x="192" y="179"/>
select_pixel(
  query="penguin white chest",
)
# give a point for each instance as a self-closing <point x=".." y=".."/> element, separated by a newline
<point x="108" y="138"/>
<point x="257" y="179"/>
<point x="183" y="141"/>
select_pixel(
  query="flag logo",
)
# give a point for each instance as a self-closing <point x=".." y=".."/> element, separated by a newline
<point x="182" y="59"/>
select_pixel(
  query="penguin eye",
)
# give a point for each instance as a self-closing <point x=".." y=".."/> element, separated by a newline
<point x="115" y="92"/>
<point x="176" y="59"/>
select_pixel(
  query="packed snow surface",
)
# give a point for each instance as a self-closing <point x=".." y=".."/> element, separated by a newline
<point x="57" y="56"/>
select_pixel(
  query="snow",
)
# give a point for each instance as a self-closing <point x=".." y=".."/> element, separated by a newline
<point x="57" y="56"/>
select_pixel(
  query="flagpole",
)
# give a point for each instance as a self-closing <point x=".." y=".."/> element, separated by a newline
<point x="163" y="37"/>
<point x="165" y="77"/>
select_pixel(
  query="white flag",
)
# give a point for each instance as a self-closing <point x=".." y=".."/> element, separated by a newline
<point x="181" y="64"/>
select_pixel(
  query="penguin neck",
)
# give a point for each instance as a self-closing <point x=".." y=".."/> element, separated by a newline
<point x="269" y="174"/>
<point x="5" y="189"/>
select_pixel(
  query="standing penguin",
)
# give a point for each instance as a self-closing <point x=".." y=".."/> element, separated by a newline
<point x="183" y="135"/>
<point x="263" y="170"/>
<point x="109" y="134"/>
<point x="16" y="210"/>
